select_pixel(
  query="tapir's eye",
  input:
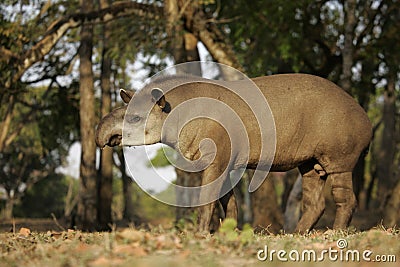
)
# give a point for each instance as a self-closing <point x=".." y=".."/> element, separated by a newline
<point x="134" y="119"/>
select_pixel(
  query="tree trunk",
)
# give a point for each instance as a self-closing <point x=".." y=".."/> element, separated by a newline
<point x="7" y="212"/>
<point x="215" y="42"/>
<point x="174" y="30"/>
<point x="391" y="216"/>
<point x="130" y="209"/>
<point x="386" y="179"/>
<point x="192" y="54"/>
<point x="6" y="123"/>
<point x="131" y="206"/>
<point x="288" y="182"/>
<point x="106" y="154"/>
<point x="348" y="49"/>
<point x="129" y="213"/>
<point x="87" y="206"/>
<point x="293" y="205"/>
<point x="358" y="181"/>
<point x="243" y="198"/>
<point x="71" y="202"/>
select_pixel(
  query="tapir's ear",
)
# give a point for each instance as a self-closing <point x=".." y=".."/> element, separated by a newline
<point x="126" y="95"/>
<point x="158" y="97"/>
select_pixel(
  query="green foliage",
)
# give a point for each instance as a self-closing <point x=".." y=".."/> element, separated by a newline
<point x="247" y="234"/>
<point x="228" y="229"/>
<point x="228" y="225"/>
<point x="22" y="24"/>
<point x="162" y="156"/>
<point x="117" y="204"/>
<point x="44" y="198"/>
<point x="149" y="209"/>
<point x="169" y="194"/>
<point x="155" y="211"/>
<point x="230" y="233"/>
<point x="43" y="127"/>
<point x="275" y="29"/>
<point x="43" y="119"/>
<point x="190" y="222"/>
<point x="44" y="124"/>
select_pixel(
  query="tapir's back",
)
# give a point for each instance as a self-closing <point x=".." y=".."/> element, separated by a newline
<point x="314" y="116"/>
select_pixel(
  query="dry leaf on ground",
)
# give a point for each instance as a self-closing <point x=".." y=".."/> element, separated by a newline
<point x="24" y="232"/>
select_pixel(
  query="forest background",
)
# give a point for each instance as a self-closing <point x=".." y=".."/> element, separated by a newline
<point x="62" y="64"/>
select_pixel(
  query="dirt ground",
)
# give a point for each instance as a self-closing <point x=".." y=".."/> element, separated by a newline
<point x="171" y="247"/>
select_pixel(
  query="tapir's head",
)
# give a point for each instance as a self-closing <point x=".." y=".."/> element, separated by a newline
<point x="109" y="130"/>
<point x="138" y="123"/>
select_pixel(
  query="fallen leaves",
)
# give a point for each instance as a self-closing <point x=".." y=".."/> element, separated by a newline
<point x="167" y="242"/>
<point x="129" y="235"/>
<point x="132" y="250"/>
<point x="106" y="261"/>
<point x="155" y="247"/>
<point x="133" y="243"/>
<point x="24" y="232"/>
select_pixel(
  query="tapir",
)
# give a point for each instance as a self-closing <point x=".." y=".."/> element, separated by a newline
<point x="318" y="127"/>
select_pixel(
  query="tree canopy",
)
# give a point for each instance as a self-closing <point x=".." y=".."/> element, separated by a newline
<point x="353" y="43"/>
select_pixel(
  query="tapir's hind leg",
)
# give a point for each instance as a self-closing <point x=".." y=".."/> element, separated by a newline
<point x="313" y="201"/>
<point x="343" y="195"/>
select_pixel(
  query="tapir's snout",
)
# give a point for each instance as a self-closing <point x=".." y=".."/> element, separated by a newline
<point x="109" y="130"/>
<point x="109" y="140"/>
<point x="105" y="137"/>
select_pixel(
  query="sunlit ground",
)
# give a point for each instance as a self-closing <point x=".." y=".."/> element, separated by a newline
<point x="185" y="247"/>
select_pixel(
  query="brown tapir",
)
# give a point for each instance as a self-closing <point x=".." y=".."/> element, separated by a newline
<point x="319" y="128"/>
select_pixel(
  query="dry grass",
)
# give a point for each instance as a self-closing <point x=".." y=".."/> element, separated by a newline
<point x="160" y="247"/>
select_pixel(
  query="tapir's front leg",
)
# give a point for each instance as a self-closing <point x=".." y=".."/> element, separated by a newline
<point x="205" y="214"/>
<point x="212" y="174"/>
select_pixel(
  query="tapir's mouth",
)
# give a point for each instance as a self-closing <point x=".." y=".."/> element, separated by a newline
<point x="115" y="140"/>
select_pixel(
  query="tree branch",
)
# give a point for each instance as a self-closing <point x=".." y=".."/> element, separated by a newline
<point x="367" y="30"/>
<point x="5" y="126"/>
<point x="61" y="26"/>
<point x="215" y="42"/>
<point x="11" y="136"/>
<point x="7" y="54"/>
<point x="54" y="75"/>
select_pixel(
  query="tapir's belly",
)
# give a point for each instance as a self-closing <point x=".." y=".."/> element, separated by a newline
<point x="295" y="143"/>
<point x="283" y="160"/>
